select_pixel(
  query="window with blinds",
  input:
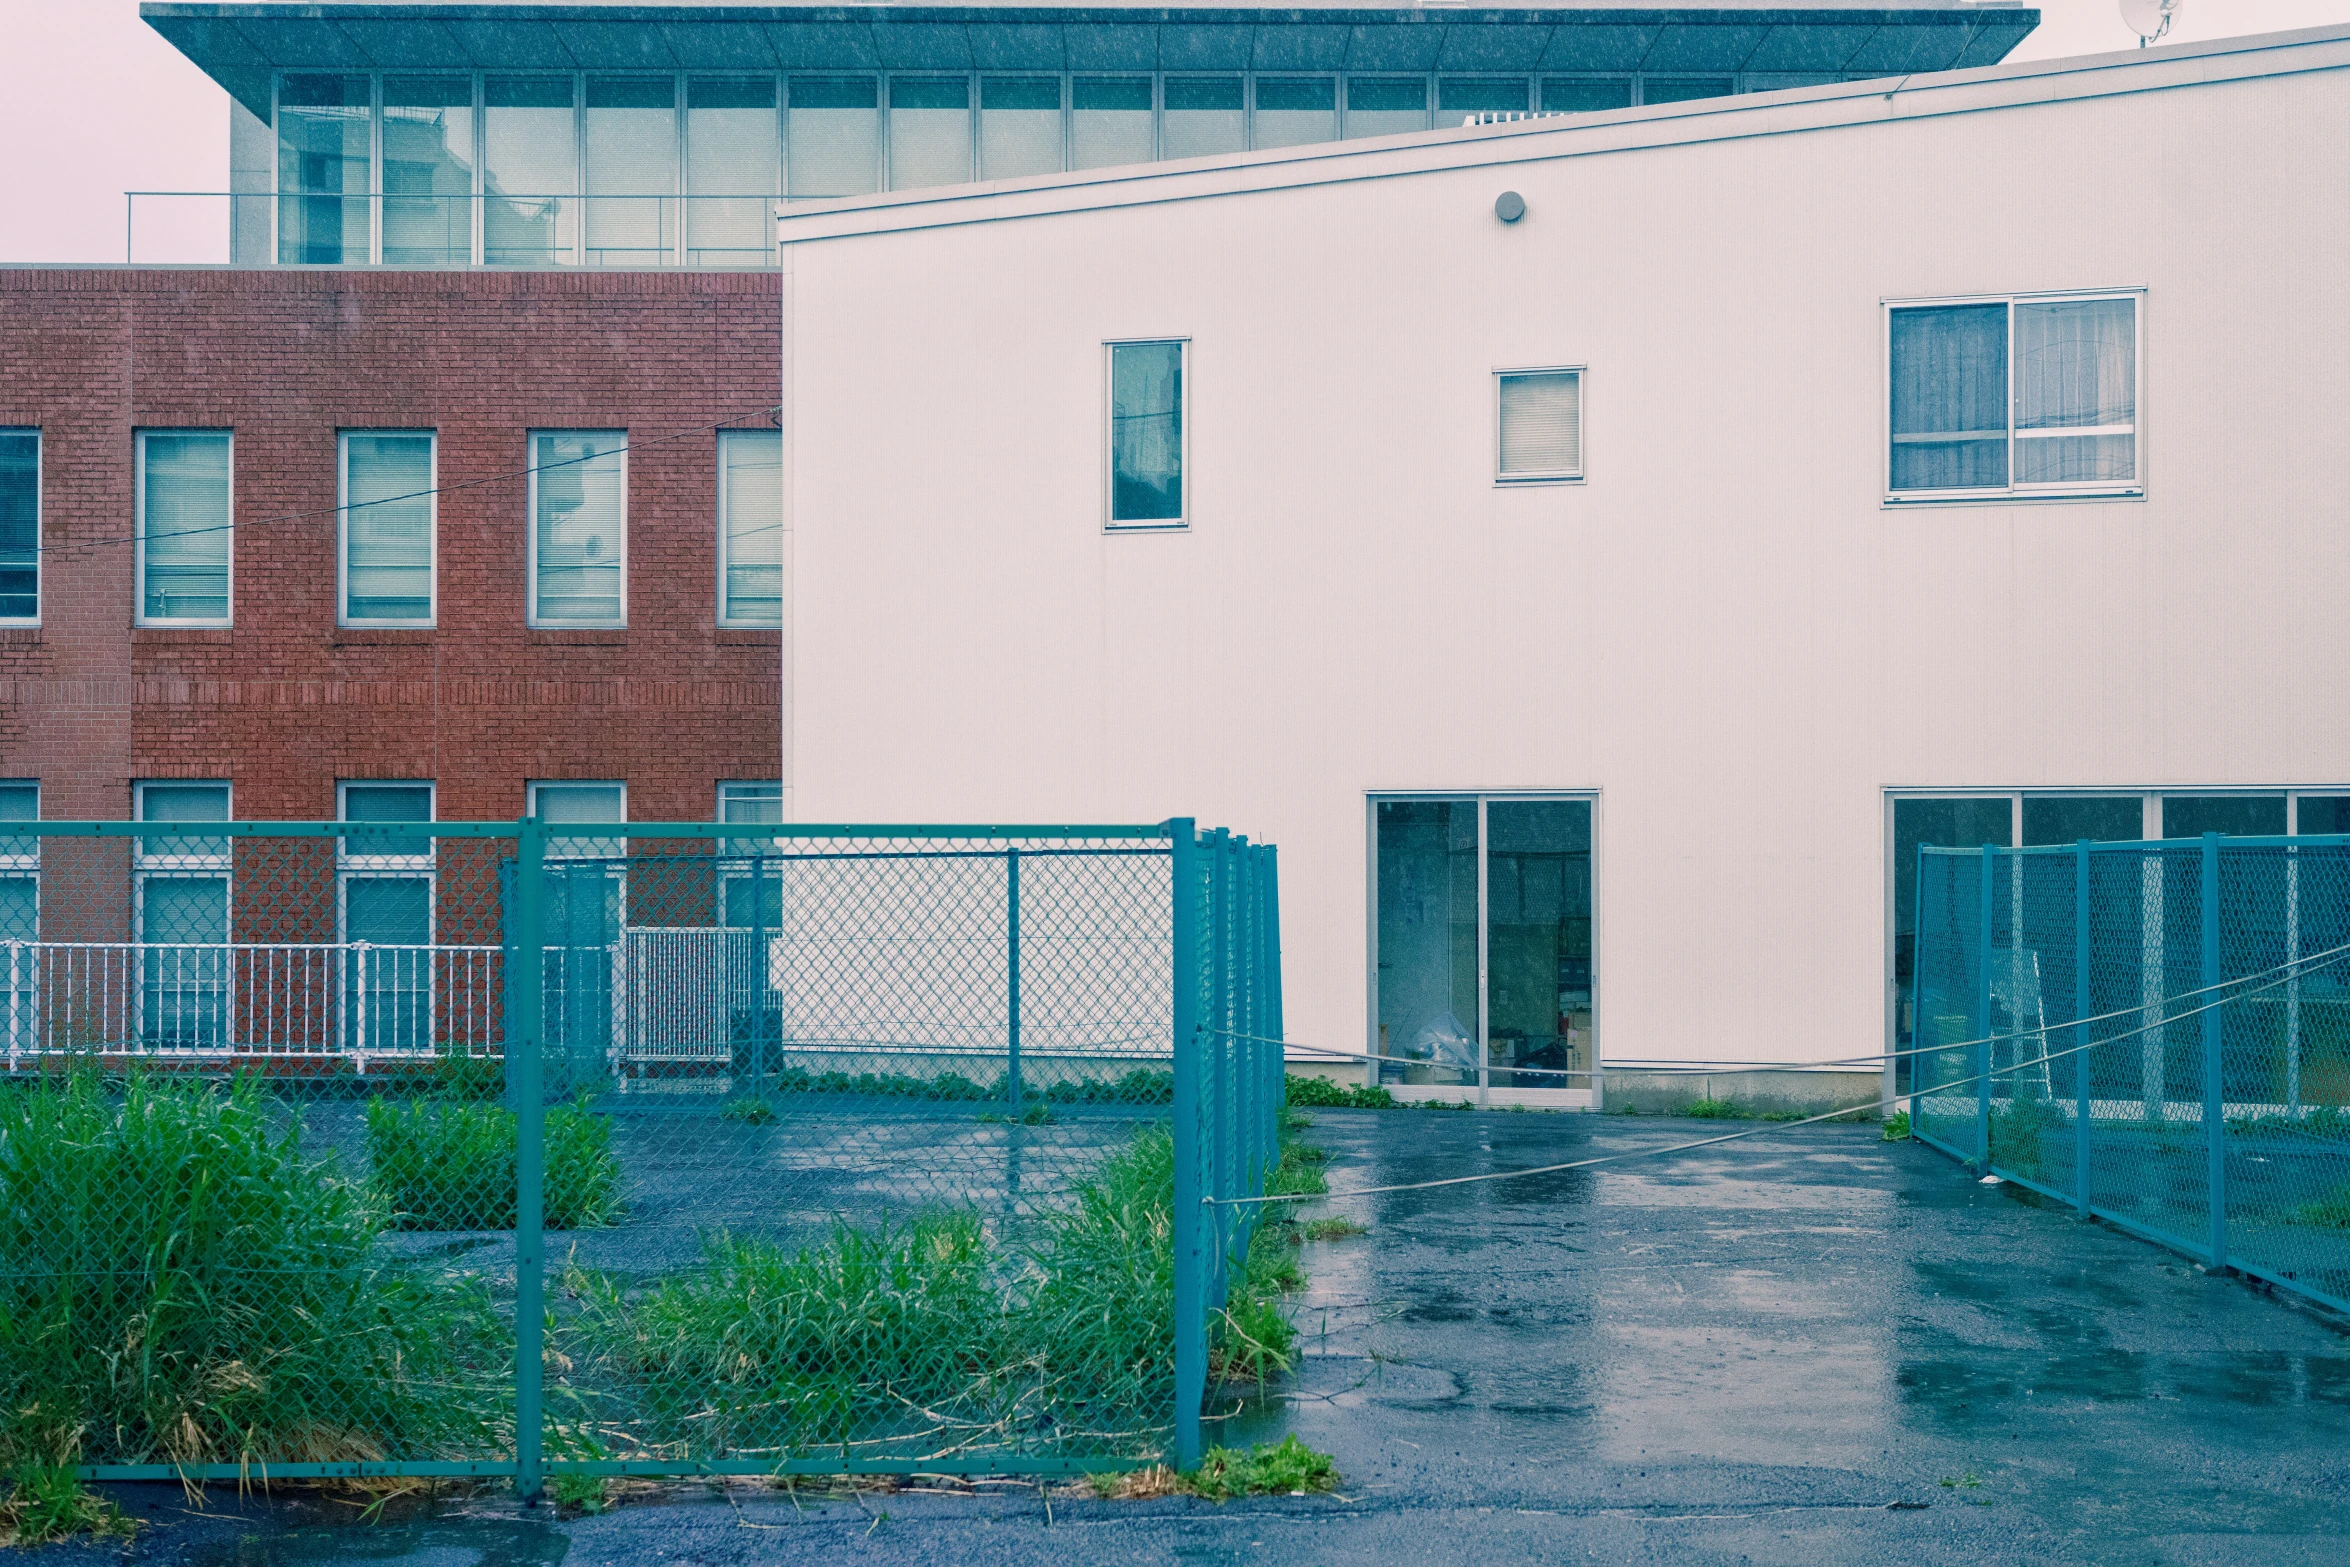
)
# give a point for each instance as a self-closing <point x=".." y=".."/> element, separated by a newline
<point x="750" y="528"/>
<point x="1539" y="425"/>
<point x="183" y="527"/>
<point x="579" y="528"/>
<point x="387" y="528"/>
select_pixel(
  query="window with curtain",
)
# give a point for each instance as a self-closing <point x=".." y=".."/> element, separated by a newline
<point x="20" y="526"/>
<point x="387" y="528"/>
<point x="1146" y="435"/>
<point x="183" y="527"/>
<point x="750" y="527"/>
<point x="1539" y="421"/>
<point x="2013" y="396"/>
<point x="579" y="528"/>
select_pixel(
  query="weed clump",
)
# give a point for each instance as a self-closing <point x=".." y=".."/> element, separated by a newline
<point x="178" y="1284"/>
<point x="1896" y="1127"/>
<point x="747" y="1112"/>
<point x="1286" y="1468"/>
<point x="2021" y="1130"/>
<point x="43" y="1504"/>
<point x="2330" y="1212"/>
<point x="441" y="1165"/>
<point x="1330" y="1229"/>
<point x="1319" y="1093"/>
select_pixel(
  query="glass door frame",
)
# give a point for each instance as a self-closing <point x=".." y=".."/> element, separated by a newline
<point x="1588" y="1097"/>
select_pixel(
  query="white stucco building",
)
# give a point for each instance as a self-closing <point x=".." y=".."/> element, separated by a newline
<point x="1945" y="458"/>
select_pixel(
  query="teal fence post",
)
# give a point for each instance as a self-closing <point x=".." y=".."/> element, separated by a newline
<point x="1012" y="980"/>
<point x="2082" y="951"/>
<point x="759" y="1062"/>
<point x="1191" y="1306"/>
<point x="1277" y="1052"/>
<point x="1247" y="1087"/>
<point x="1983" y="1011"/>
<point x="1219" y="1041"/>
<point x="525" y="1039"/>
<point x="2215" y="1122"/>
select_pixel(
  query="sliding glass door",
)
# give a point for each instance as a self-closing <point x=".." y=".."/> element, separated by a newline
<point x="1482" y="942"/>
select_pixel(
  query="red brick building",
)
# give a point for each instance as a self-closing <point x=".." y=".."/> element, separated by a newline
<point x="290" y="697"/>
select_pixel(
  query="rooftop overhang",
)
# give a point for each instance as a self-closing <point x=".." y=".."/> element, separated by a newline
<point x="240" y="45"/>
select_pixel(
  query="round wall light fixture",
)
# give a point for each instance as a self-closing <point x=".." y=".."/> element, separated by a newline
<point x="1509" y="206"/>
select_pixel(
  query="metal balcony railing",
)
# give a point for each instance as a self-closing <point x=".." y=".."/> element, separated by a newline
<point x="224" y="228"/>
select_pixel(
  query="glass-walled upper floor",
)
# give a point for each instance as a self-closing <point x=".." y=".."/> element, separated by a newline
<point x="678" y="169"/>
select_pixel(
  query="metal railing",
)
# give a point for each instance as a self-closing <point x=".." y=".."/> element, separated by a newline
<point x="225" y="228"/>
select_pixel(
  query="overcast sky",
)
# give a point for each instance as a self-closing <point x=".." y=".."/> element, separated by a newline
<point x="96" y="103"/>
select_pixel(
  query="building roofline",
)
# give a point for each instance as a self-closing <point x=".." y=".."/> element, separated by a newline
<point x="1794" y="110"/>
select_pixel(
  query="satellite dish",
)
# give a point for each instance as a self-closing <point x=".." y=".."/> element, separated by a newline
<point x="2150" y="19"/>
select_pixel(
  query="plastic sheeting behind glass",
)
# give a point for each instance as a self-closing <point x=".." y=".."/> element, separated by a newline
<point x="1427" y="924"/>
<point x="733" y="170"/>
<point x="530" y="171"/>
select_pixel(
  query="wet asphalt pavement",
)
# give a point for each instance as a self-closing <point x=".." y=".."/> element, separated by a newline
<point x="1807" y="1348"/>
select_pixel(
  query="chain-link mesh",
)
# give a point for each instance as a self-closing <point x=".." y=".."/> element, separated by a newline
<point x="844" y="1150"/>
<point x="2156" y="1032"/>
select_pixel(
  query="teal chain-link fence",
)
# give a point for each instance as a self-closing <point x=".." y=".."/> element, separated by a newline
<point x="495" y="1149"/>
<point x="2157" y="1033"/>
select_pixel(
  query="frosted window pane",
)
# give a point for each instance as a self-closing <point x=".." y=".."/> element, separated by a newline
<point x="835" y="136"/>
<point x="1541" y="425"/>
<point x="1204" y="117"/>
<point x="580" y="528"/>
<point x="1292" y="111"/>
<point x="1109" y="121"/>
<point x="1019" y="126"/>
<point x="1586" y="94"/>
<point x="733" y="171"/>
<point x="1385" y="105"/>
<point x="184" y="527"/>
<point x="387" y="528"/>
<point x="568" y="803"/>
<point x="929" y="131"/>
<point x="2076" y="368"/>
<point x="631" y="170"/>
<point x="751" y="504"/>
<point x="1460" y="97"/>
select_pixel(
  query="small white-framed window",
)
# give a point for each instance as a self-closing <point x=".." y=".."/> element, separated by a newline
<point x="750" y="528"/>
<point x="750" y="892"/>
<point x="20" y="527"/>
<point x="181" y="905"/>
<point x="1146" y="433"/>
<point x="184" y="484"/>
<point x="578" y="565"/>
<point x="386" y="528"/>
<point x="2014" y="396"/>
<point x="396" y="800"/>
<point x="1538" y="426"/>
<point x="567" y="802"/>
<point x="20" y="881"/>
<point x="178" y="800"/>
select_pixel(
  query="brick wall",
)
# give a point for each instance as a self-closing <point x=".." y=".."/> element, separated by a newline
<point x="284" y="703"/>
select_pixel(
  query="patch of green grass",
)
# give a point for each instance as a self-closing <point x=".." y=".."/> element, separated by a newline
<point x="2021" y="1131"/>
<point x="1330" y="1229"/>
<point x="1035" y="1113"/>
<point x="178" y="1284"/>
<point x="1437" y="1104"/>
<point x="2330" y="1212"/>
<point x="2327" y="1123"/>
<point x="1896" y="1126"/>
<point x="1734" y="1110"/>
<point x="1140" y="1086"/>
<point x="1299" y="1174"/>
<point x="1286" y="1468"/>
<point x="748" y="1112"/>
<point x="1321" y="1093"/>
<point x="575" y="1493"/>
<point x="43" y="1504"/>
<point x="450" y="1166"/>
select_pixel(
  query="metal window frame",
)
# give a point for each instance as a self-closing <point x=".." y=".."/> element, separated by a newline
<point x="421" y="857"/>
<point x="531" y="617"/>
<point x="1428" y="109"/>
<point x="727" y="621"/>
<point x="343" y="615"/>
<point x="1248" y="98"/>
<point x="40" y="508"/>
<point x="1109" y="451"/>
<point x="139" y="615"/>
<point x="26" y="859"/>
<point x="1503" y="479"/>
<point x="725" y="784"/>
<point x="2134" y="489"/>
<point x="554" y="834"/>
<point x="1484" y="800"/>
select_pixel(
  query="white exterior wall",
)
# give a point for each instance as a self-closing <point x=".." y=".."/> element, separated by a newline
<point x="1725" y="632"/>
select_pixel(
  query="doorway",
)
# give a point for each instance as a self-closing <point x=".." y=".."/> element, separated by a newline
<point x="1484" y="962"/>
